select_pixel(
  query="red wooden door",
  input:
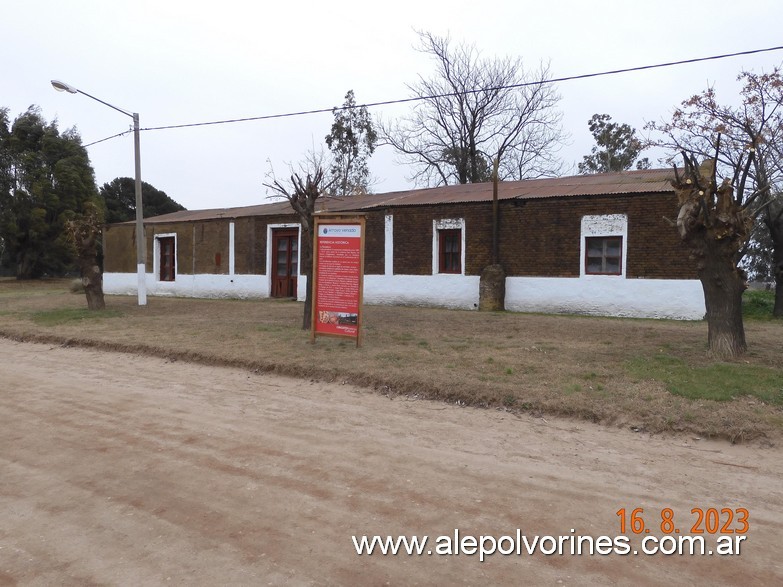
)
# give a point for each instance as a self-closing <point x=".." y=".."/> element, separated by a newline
<point x="285" y="262"/>
<point x="168" y="262"/>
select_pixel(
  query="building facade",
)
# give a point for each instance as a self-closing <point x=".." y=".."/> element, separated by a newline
<point x="600" y="244"/>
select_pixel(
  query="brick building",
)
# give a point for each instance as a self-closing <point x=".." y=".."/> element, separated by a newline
<point x="594" y="244"/>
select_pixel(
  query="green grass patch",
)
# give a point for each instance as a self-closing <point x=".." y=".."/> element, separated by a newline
<point x="758" y="304"/>
<point x="717" y="381"/>
<point x="66" y="315"/>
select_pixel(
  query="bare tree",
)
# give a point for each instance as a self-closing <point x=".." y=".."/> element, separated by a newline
<point x="302" y="190"/>
<point x="473" y="111"/>
<point x="755" y="126"/>
<point x="715" y="224"/>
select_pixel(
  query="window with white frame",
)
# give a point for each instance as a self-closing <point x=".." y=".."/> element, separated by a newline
<point x="604" y="244"/>
<point x="448" y="246"/>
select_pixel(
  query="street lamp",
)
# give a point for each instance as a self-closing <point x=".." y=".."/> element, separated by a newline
<point x="140" y="240"/>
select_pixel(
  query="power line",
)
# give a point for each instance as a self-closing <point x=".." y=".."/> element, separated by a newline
<point x="452" y="94"/>
<point x="119" y="134"/>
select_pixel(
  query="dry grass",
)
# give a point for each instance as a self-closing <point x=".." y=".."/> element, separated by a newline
<point x="566" y="365"/>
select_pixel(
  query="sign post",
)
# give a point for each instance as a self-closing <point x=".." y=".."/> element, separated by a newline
<point x="338" y="276"/>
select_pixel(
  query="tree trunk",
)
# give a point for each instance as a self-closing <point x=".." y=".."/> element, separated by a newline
<point x="723" y="285"/>
<point x="24" y="266"/>
<point x="492" y="289"/>
<point x="776" y="232"/>
<point x="92" y="280"/>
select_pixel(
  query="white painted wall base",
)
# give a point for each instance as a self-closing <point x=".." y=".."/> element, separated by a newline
<point x="198" y="286"/>
<point x="442" y="291"/>
<point x="599" y="295"/>
<point x="679" y="299"/>
<point x="191" y="286"/>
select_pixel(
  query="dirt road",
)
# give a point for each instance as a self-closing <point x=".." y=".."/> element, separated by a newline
<point x="128" y="470"/>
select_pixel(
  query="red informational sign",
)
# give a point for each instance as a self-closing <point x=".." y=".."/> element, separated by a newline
<point x="338" y="270"/>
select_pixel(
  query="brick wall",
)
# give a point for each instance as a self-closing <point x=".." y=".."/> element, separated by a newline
<point x="541" y="237"/>
<point x="538" y="237"/>
<point x="244" y="247"/>
<point x="374" y="243"/>
<point x="119" y="249"/>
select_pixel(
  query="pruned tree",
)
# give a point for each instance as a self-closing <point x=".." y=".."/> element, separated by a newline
<point x="714" y="223"/>
<point x="473" y="111"/>
<point x="302" y="190"/>
<point x="755" y="126"/>
<point x="84" y="232"/>
<point x="352" y="141"/>
<point x="616" y="148"/>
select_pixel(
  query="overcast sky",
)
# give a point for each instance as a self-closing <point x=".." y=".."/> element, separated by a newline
<point x="178" y="62"/>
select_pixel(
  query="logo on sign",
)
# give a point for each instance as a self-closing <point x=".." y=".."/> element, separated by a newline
<point x="336" y="230"/>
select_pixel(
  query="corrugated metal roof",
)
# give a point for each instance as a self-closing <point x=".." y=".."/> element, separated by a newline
<point x="624" y="182"/>
<point x="273" y="208"/>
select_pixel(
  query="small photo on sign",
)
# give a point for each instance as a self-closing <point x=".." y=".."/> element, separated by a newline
<point x="347" y="319"/>
<point x="325" y="317"/>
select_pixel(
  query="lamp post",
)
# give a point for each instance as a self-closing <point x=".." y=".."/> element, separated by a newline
<point x="140" y="240"/>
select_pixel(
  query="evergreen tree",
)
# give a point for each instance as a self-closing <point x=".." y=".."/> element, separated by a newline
<point x="352" y="141"/>
<point x="119" y="196"/>
<point x="617" y="147"/>
<point x="45" y="180"/>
